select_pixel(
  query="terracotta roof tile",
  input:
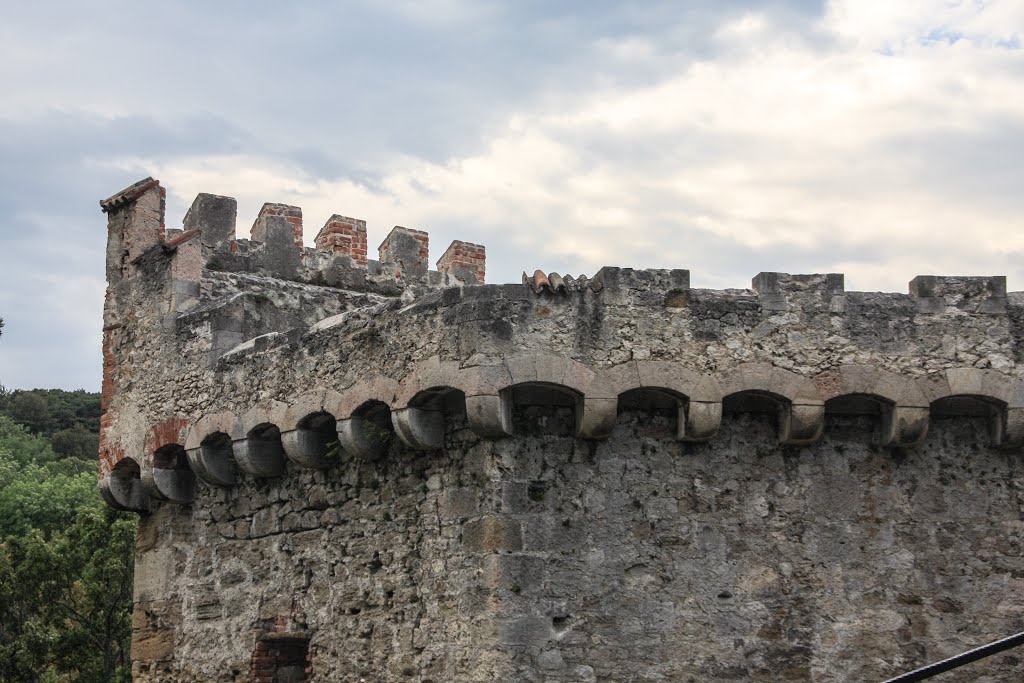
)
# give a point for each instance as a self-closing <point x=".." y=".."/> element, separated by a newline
<point x="559" y="284"/>
<point x="127" y="195"/>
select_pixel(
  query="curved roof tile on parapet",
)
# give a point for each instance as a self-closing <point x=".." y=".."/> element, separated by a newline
<point x="553" y="283"/>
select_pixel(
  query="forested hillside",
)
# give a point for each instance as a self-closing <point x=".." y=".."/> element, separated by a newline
<point x="65" y="558"/>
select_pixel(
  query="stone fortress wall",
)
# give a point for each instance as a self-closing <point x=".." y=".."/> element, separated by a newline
<point x="367" y="470"/>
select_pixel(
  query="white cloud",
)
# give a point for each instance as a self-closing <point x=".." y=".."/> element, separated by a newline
<point x="438" y="13"/>
<point x="881" y="139"/>
<point x="879" y="24"/>
<point x="789" y="146"/>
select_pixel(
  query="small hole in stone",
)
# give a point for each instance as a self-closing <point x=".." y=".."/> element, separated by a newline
<point x="537" y="490"/>
<point x="725" y="595"/>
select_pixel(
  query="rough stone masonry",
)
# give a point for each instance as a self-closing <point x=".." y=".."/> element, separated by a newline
<point x="350" y="469"/>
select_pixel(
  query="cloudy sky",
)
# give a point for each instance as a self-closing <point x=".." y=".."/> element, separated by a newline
<point x="876" y="138"/>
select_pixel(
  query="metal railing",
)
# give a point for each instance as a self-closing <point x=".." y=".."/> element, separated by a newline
<point x="974" y="655"/>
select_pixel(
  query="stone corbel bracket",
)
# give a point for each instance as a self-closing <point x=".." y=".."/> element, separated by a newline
<point x="209" y="445"/>
<point x="801" y="406"/>
<point x="1004" y="396"/>
<point x="903" y="404"/>
<point x="165" y="471"/>
<point x="123" y="488"/>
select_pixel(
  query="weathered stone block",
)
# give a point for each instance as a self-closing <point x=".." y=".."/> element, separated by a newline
<point x="214" y="217"/>
<point x="491" y="534"/>
<point x="407" y="252"/>
<point x="517" y="573"/>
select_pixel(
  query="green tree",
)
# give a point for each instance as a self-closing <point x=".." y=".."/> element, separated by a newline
<point x="21" y="446"/>
<point x="66" y="564"/>
<point x="76" y="442"/>
<point x="65" y="603"/>
<point x="89" y="583"/>
<point x="31" y="410"/>
<point x="63" y="409"/>
<point x="36" y="491"/>
<point x="26" y="640"/>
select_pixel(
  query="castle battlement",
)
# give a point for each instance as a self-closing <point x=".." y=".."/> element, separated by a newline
<point x="500" y="446"/>
<point x="276" y="248"/>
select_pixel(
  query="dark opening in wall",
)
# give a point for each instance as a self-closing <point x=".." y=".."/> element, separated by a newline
<point x="171" y="474"/>
<point x="450" y="402"/>
<point x="281" y="658"/>
<point x="964" y="406"/>
<point x="170" y="457"/>
<point x="218" y="459"/>
<point x="376" y="423"/>
<point x="751" y="402"/>
<point x="319" y="433"/>
<point x="985" y="412"/>
<point x="264" y="452"/>
<point x="437" y="412"/>
<point x="854" y="417"/>
<point x="654" y="411"/>
<point x="540" y="408"/>
<point x="853" y="404"/>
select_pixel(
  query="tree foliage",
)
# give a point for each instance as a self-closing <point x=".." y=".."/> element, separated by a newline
<point x="66" y="564"/>
<point x="42" y="496"/>
<point x="75" y="442"/>
<point x="47" y="411"/>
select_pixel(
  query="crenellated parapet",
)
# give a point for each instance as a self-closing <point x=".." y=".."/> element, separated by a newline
<point x="275" y="246"/>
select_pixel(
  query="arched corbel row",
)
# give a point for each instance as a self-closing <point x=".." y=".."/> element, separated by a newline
<point x="903" y="404"/>
<point x="601" y="399"/>
<point x="564" y="373"/>
<point x="488" y="391"/>
<point x="488" y="406"/>
<point x="367" y="434"/>
<point x="418" y="428"/>
<point x="700" y="409"/>
<point x="1005" y="394"/>
<point x="801" y="407"/>
<point x="170" y="479"/>
<point x="701" y="414"/>
<point x="317" y="428"/>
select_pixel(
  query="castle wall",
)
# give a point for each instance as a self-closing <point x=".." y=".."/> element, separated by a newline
<point x="380" y="472"/>
<point x="640" y="558"/>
